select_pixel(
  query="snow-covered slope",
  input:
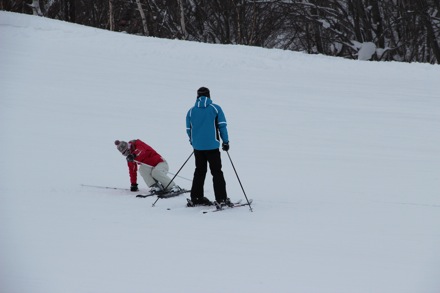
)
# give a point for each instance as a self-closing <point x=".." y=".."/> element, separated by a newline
<point x="341" y="158"/>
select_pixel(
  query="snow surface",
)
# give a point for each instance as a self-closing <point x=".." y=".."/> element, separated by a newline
<point x="341" y="158"/>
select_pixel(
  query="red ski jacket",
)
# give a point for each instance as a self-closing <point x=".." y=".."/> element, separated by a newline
<point x="144" y="154"/>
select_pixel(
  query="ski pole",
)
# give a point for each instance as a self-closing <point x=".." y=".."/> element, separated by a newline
<point x="181" y="177"/>
<point x="165" y="188"/>
<point x="104" y="187"/>
<point x="239" y="181"/>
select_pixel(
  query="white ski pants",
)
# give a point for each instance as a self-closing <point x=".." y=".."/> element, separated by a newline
<point x="155" y="174"/>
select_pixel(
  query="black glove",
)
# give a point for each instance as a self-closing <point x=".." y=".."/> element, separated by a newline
<point x="134" y="187"/>
<point x="131" y="157"/>
<point x="225" y="146"/>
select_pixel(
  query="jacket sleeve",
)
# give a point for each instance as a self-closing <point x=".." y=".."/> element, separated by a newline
<point x="188" y="125"/>
<point x="132" y="169"/>
<point x="222" y="125"/>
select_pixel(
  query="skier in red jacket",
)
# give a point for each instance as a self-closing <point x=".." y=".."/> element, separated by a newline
<point x="152" y="167"/>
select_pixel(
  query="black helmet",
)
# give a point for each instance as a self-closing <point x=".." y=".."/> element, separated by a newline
<point x="203" y="91"/>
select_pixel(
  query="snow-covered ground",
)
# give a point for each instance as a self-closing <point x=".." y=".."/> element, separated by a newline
<point x="341" y="158"/>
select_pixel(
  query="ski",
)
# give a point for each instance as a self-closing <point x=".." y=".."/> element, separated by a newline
<point x="163" y="195"/>
<point x="146" y="195"/>
<point x="173" y="194"/>
<point x="222" y="208"/>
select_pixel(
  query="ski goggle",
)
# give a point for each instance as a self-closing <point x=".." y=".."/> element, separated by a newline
<point x="126" y="152"/>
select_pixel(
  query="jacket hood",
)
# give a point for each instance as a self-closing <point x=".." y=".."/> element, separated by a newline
<point x="203" y="102"/>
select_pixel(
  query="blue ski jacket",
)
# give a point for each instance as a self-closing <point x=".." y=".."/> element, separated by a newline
<point x="206" y="124"/>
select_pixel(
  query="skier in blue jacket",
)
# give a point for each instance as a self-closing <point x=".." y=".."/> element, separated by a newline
<point x="206" y="125"/>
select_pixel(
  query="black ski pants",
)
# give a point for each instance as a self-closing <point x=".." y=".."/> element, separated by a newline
<point x="215" y="165"/>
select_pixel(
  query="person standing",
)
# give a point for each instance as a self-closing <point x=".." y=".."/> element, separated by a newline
<point x="152" y="166"/>
<point x="205" y="126"/>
